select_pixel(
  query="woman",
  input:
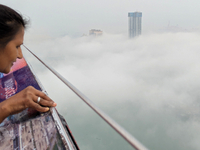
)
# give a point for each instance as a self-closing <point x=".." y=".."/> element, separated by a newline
<point x="12" y="27"/>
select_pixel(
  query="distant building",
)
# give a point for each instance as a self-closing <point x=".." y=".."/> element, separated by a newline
<point x="95" y="32"/>
<point x="135" y="24"/>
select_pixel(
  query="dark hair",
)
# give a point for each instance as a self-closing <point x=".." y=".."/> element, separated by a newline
<point x="10" y="24"/>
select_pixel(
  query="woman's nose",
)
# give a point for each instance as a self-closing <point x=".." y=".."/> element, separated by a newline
<point x="19" y="54"/>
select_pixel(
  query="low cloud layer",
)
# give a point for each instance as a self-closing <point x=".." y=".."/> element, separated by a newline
<point x="150" y="85"/>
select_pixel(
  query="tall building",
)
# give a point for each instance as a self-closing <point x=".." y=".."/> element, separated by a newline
<point x="135" y="24"/>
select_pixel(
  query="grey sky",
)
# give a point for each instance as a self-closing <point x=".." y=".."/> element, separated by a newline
<point x="75" y="17"/>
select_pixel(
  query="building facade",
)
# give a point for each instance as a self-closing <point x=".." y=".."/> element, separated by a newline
<point x="135" y="24"/>
<point x="95" y="32"/>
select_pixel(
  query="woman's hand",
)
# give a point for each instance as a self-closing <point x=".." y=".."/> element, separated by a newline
<point x="27" y="98"/>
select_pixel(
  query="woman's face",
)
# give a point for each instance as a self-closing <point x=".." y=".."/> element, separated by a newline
<point x="11" y="52"/>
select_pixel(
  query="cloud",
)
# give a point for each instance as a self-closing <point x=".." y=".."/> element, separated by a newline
<point x="150" y="85"/>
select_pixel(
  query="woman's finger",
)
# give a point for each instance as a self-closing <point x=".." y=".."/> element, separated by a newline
<point x="42" y="99"/>
<point x="45" y="102"/>
<point x="38" y="107"/>
<point x="42" y="95"/>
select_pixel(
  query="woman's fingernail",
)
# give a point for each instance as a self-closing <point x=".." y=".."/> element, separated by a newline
<point x="47" y="108"/>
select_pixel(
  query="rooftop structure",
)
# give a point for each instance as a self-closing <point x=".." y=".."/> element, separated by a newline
<point x="95" y="32"/>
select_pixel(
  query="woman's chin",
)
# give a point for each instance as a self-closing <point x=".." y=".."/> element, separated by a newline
<point x="6" y="71"/>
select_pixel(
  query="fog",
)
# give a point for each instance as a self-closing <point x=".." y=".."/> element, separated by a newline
<point x="75" y="18"/>
<point x="149" y="85"/>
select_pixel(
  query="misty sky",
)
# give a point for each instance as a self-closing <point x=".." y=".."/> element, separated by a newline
<point x="77" y="17"/>
<point x="150" y="84"/>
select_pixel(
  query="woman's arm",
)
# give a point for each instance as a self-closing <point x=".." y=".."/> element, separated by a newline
<point x="27" y="98"/>
<point x="3" y="111"/>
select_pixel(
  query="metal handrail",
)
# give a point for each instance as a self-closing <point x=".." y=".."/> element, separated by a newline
<point x="127" y="136"/>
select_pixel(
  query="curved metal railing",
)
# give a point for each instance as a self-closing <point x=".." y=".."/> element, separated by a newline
<point x="127" y="136"/>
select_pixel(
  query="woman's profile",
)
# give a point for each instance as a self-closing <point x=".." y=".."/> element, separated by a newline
<point x="12" y="28"/>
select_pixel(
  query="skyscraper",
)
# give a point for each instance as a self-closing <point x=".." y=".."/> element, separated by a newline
<point x="135" y="24"/>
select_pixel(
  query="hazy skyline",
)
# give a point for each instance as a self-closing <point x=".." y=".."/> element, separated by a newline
<point x="73" y="18"/>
